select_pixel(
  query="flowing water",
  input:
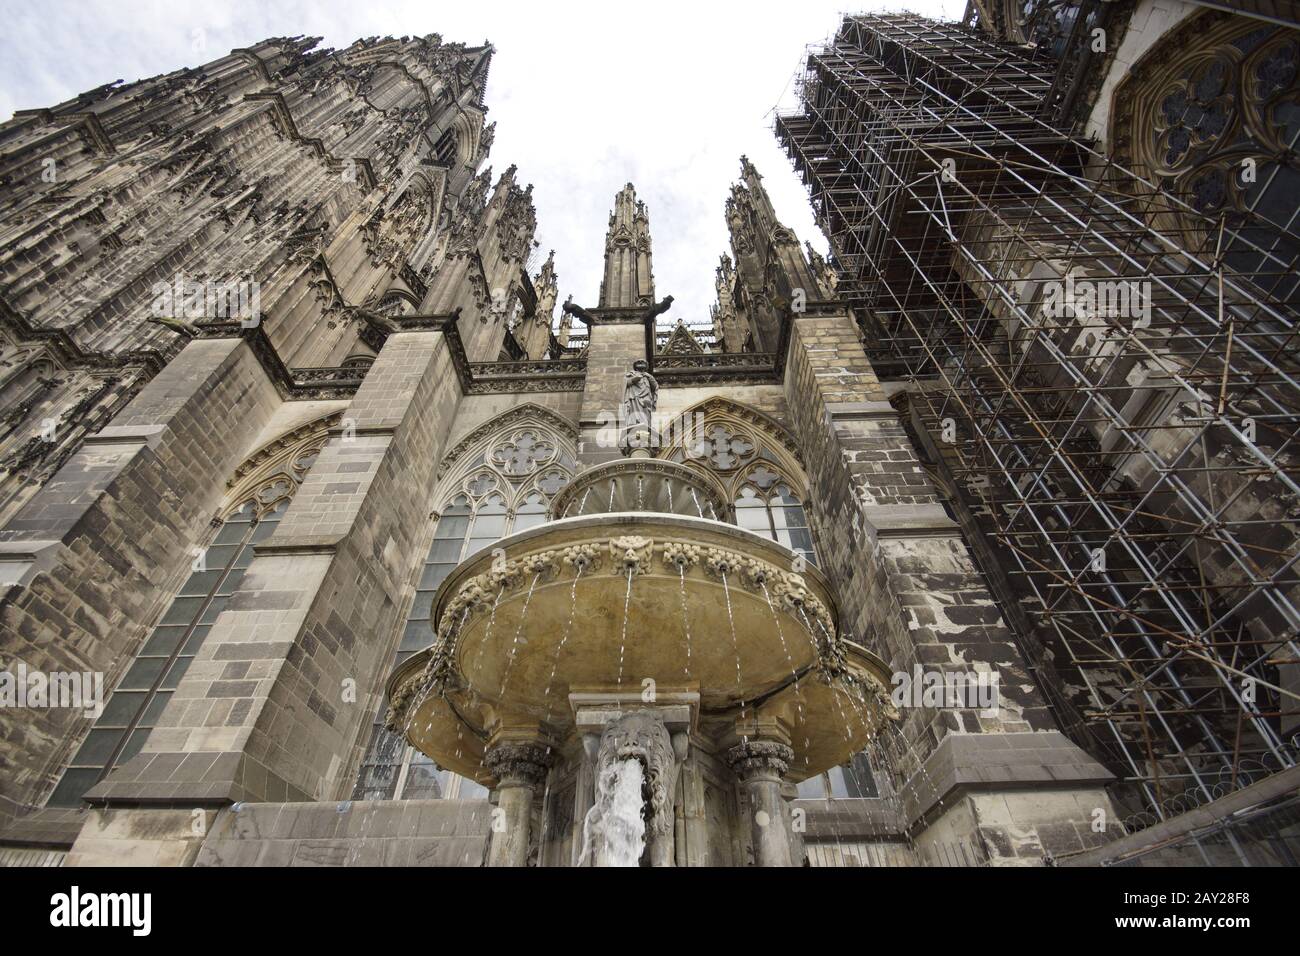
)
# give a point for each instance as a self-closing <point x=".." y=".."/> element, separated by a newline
<point x="615" y="829"/>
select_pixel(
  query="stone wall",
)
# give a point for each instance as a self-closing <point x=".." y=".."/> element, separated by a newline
<point x="90" y="562"/>
<point x="297" y="661"/>
<point x="361" y="833"/>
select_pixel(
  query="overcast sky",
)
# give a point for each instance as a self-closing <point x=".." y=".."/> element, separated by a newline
<point x="586" y="96"/>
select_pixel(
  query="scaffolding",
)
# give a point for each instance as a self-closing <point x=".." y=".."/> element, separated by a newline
<point x="1123" y="462"/>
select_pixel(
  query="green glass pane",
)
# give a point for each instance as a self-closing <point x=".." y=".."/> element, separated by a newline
<point x="478" y="544"/>
<point x="243" y="516"/>
<point x="230" y="533"/>
<point x="213" y="610"/>
<point x="195" y="640"/>
<point x="163" y="641"/>
<point x="72" y="787"/>
<point x="175" y="674"/>
<point x="183" y="610"/>
<point x="220" y="555"/>
<point x="421" y="605"/>
<point x="416" y="636"/>
<point x="201" y="583"/>
<point x="133" y="745"/>
<point x="155" y="709"/>
<point x="142" y="674"/>
<point x="529" y="520"/>
<point x="231" y="582"/>
<point x="490" y="526"/>
<point x="98" y="747"/>
<point x="445" y="550"/>
<point x="434" y="575"/>
<point x="122" y="708"/>
<point x="451" y="526"/>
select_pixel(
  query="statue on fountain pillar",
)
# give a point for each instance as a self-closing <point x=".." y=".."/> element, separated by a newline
<point x="640" y="398"/>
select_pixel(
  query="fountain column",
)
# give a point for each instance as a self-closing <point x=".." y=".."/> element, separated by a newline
<point x="761" y="765"/>
<point x="520" y="769"/>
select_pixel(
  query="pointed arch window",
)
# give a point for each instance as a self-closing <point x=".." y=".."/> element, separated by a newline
<point x="854" y="779"/>
<point x="136" y="704"/>
<point x="756" y="468"/>
<point x="777" y="514"/>
<point x="501" y="485"/>
<point x="138" y="700"/>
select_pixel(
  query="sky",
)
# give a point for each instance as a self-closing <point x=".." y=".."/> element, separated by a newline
<point x="587" y="96"/>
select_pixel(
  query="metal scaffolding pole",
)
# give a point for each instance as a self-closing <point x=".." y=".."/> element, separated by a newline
<point x="1134" y="472"/>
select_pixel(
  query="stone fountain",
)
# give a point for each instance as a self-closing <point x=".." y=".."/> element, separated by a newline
<point x="639" y="680"/>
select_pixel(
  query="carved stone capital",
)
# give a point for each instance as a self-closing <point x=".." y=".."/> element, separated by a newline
<point x="756" y="758"/>
<point x="519" y="764"/>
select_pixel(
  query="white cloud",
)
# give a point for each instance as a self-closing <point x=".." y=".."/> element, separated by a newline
<point x="587" y="96"/>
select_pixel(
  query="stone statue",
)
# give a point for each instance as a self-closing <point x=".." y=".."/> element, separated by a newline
<point x="640" y="397"/>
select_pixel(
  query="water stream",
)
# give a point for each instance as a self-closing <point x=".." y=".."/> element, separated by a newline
<point x="614" y="828"/>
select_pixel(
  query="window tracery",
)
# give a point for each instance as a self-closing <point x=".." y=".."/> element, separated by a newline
<point x="754" y="462"/>
<point x="1212" y="116"/>
<point x="498" y="481"/>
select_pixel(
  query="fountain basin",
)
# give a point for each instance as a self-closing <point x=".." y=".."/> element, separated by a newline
<point x="634" y="601"/>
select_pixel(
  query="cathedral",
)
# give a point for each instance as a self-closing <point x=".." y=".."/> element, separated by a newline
<point x="330" y="536"/>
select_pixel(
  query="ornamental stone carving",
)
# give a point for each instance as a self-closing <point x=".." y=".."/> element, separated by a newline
<point x="631" y="554"/>
<point x="642" y="736"/>
<point x="757" y="758"/>
<point x="519" y="764"/>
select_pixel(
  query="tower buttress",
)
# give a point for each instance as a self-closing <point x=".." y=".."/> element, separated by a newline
<point x="534" y="334"/>
<point x="483" y="271"/>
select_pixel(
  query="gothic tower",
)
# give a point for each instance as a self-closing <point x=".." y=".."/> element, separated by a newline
<point x="189" y="261"/>
<point x="629" y="279"/>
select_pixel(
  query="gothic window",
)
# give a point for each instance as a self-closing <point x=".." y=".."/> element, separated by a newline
<point x="444" y="153"/>
<point x="359" y="362"/>
<point x="853" y="779"/>
<point x="522" y="454"/>
<point x="263" y="487"/>
<point x="723" y="448"/>
<point x="1212" y="116"/>
<point x="531" y="512"/>
<point x="753" y="464"/>
<point x="776" y="513"/>
<point x="497" y="485"/>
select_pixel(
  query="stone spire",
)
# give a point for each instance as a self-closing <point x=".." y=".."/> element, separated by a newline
<point x="770" y="265"/>
<point x="728" y="326"/>
<point x="629" y="278"/>
<point x="535" y="334"/>
<point x="482" y="274"/>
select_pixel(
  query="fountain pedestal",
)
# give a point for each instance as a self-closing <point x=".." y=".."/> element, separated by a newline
<point x="639" y="628"/>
